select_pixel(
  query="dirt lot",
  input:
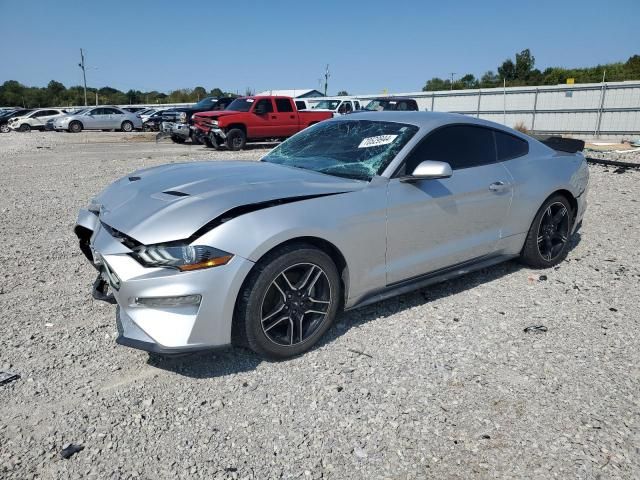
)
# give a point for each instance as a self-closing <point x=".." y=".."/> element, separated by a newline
<point x="440" y="383"/>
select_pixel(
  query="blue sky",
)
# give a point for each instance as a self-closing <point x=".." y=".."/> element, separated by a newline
<point x="370" y="45"/>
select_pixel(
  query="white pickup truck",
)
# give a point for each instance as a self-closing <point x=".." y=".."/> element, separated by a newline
<point x="338" y="105"/>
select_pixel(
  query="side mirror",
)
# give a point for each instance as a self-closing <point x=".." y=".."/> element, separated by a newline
<point x="429" y="170"/>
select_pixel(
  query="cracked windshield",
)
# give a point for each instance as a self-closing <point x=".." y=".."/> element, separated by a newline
<point x="357" y="149"/>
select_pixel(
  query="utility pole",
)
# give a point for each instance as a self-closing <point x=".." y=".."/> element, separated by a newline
<point x="84" y="75"/>
<point x="326" y="79"/>
<point x="451" y="83"/>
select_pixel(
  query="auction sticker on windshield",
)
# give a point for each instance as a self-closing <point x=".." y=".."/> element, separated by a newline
<point x="377" y="141"/>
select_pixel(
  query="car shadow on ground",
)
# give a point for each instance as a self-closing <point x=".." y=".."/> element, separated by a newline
<point x="234" y="360"/>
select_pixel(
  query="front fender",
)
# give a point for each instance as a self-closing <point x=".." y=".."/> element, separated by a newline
<point x="353" y="222"/>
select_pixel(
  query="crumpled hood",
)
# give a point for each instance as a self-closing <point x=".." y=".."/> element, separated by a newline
<point x="139" y="206"/>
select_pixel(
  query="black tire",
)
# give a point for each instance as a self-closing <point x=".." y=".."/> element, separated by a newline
<point x="126" y="126"/>
<point x="207" y="141"/>
<point x="25" y="127"/>
<point x="4" y="128"/>
<point x="177" y="139"/>
<point x="311" y="281"/>
<point x="547" y="243"/>
<point x="195" y="140"/>
<point x="236" y="139"/>
<point x="75" y="127"/>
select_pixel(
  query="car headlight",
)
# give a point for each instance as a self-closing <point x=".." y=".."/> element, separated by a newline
<point x="183" y="257"/>
<point x="182" y="117"/>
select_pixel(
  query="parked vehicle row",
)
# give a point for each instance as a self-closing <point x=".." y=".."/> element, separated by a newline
<point x="244" y="119"/>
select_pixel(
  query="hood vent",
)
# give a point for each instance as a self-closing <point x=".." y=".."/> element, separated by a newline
<point x="176" y="193"/>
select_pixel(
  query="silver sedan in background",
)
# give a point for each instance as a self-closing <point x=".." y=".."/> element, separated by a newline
<point x="98" y="118"/>
<point x="347" y="212"/>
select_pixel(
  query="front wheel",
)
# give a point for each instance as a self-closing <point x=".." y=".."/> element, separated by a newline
<point x="288" y="302"/>
<point x="4" y="128"/>
<point x="547" y="242"/>
<point x="236" y="139"/>
<point x="127" y="126"/>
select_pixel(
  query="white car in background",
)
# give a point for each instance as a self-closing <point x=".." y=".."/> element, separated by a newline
<point x="35" y="120"/>
<point x="98" y="118"/>
<point x="339" y="106"/>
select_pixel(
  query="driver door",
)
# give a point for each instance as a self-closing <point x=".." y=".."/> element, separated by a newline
<point x="97" y="119"/>
<point x="435" y="224"/>
<point x="260" y="127"/>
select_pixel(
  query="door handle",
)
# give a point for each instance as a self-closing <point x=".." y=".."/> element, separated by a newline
<point x="292" y="116"/>
<point x="273" y="117"/>
<point x="498" y="186"/>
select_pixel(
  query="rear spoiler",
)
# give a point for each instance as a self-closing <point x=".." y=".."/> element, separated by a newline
<point x="569" y="145"/>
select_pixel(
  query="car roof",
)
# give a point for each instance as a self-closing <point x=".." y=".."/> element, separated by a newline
<point x="425" y="120"/>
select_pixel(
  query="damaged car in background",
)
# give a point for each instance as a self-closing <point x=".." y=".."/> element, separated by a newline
<point x="257" y="118"/>
<point x="176" y="122"/>
<point x="348" y="212"/>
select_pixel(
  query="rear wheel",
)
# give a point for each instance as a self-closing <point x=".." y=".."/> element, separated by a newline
<point x="288" y="302"/>
<point x="75" y="127"/>
<point x="127" y="126"/>
<point x="547" y="242"/>
<point x="25" y="127"/>
<point x="236" y="139"/>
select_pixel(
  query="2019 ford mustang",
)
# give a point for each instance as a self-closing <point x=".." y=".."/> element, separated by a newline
<point x="347" y="212"/>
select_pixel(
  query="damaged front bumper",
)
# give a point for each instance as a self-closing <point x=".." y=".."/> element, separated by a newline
<point x="161" y="310"/>
<point x="175" y="129"/>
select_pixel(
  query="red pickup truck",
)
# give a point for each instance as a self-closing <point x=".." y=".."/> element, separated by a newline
<point x="251" y="119"/>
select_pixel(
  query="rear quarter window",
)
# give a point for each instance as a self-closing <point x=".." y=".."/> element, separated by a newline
<point x="510" y="146"/>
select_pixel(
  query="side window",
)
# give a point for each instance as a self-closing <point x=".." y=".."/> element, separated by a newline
<point x="357" y="105"/>
<point x="347" y="107"/>
<point x="284" y="105"/>
<point x="461" y="146"/>
<point x="39" y="114"/>
<point x="266" y="104"/>
<point x="111" y="111"/>
<point x="402" y="106"/>
<point x="509" y="146"/>
<point x="97" y="111"/>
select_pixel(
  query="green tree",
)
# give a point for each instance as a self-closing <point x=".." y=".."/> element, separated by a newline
<point x="198" y="94"/>
<point x="435" y="84"/>
<point x="507" y="70"/>
<point x="524" y="64"/>
<point x="216" y="92"/>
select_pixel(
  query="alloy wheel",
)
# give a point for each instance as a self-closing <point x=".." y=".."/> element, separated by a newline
<point x="553" y="231"/>
<point x="296" y="304"/>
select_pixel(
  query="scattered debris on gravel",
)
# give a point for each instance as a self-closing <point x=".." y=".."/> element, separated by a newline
<point x="439" y="383"/>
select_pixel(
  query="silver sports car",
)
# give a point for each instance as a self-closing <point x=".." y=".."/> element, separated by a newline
<point x="347" y="212"/>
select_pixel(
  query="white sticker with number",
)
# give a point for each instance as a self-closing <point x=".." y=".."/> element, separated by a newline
<point x="377" y="141"/>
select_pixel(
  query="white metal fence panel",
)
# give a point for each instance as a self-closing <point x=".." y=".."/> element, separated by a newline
<point x="586" y="109"/>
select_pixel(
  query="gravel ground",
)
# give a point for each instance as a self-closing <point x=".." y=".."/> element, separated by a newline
<point x="619" y="153"/>
<point x="440" y="383"/>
